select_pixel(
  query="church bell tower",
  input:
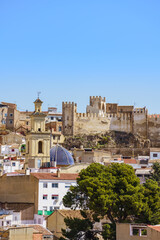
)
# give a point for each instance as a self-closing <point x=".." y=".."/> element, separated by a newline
<point x="38" y="139"/>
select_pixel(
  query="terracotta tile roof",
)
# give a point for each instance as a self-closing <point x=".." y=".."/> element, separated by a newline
<point x="12" y="105"/>
<point x="155" y="227"/>
<point x="36" y="227"/>
<point x="53" y="176"/>
<point x="130" y="161"/>
<point x="40" y="229"/>
<point x="71" y="213"/>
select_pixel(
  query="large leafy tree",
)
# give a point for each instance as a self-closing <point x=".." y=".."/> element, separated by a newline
<point x="78" y="229"/>
<point x="150" y="212"/>
<point x="114" y="191"/>
<point x="155" y="173"/>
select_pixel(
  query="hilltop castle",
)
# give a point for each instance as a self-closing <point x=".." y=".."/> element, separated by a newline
<point x="101" y="117"/>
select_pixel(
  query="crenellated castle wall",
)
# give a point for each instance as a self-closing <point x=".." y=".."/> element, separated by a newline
<point x="92" y="123"/>
<point x="141" y="122"/>
<point x="101" y="117"/>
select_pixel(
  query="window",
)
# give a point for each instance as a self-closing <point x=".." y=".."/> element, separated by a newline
<point x="155" y="155"/>
<point x="143" y="232"/>
<point x="45" y="185"/>
<point x="52" y="118"/>
<point x="67" y="185"/>
<point x="39" y="129"/>
<point x="51" y="208"/>
<point x="60" y="129"/>
<point x="54" y="185"/>
<point x="39" y="221"/>
<point x="56" y="208"/>
<point x="40" y="146"/>
<point x="45" y="197"/>
<point x="54" y="197"/>
<point x="138" y="231"/>
<point x="27" y="123"/>
<point x="11" y="114"/>
<point x="5" y="114"/>
<point x="10" y="121"/>
<point x="54" y="137"/>
<point x="45" y="208"/>
<point x="135" y="232"/>
<point x="13" y="164"/>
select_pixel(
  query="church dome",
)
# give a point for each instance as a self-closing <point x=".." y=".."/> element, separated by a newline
<point x="61" y="156"/>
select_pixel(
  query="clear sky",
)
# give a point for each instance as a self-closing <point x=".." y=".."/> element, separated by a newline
<point x="71" y="49"/>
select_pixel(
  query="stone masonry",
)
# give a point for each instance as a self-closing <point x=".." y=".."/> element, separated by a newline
<point x="101" y="117"/>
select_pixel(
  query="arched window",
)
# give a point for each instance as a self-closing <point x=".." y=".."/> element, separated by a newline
<point x="40" y="146"/>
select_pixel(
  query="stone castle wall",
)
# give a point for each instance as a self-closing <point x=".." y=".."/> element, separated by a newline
<point x="154" y="129"/>
<point x="119" y="118"/>
<point x="91" y="123"/>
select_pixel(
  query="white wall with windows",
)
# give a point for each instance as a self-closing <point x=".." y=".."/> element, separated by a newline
<point x="51" y="193"/>
<point x="10" y="166"/>
<point x="154" y="155"/>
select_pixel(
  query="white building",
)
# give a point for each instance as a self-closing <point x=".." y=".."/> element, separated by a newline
<point x="53" y="115"/>
<point x="154" y="153"/>
<point x="52" y="189"/>
<point x="10" y="150"/>
<point x="10" y="166"/>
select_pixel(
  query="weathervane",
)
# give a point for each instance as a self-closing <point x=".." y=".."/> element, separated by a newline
<point x="38" y="94"/>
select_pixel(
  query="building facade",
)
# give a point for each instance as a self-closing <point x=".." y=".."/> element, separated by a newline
<point x="38" y="139"/>
<point x="43" y="192"/>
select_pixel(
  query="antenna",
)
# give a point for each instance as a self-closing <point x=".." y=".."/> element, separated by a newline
<point x="38" y="94"/>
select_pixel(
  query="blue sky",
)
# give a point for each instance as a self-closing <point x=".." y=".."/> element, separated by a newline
<point x="71" y="49"/>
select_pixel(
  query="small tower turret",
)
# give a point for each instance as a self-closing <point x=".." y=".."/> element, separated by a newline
<point x="38" y="105"/>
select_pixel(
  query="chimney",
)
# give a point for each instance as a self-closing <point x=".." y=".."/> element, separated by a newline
<point x="58" y="173"/>
<point x="27" y="171"/>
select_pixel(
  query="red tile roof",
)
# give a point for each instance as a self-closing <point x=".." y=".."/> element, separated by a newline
<point x="53" y="176"/>
<point x="155" y="227"/>
<point x="36" y="227"/>
<point x="130" y="161"/>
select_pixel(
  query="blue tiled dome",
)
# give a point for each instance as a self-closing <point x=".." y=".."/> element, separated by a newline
<point x="61" y="156"/>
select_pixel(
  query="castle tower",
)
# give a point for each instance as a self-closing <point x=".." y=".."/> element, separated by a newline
<point x="69" y="111"/>
<point x="97" y="105"/>
<point x="38" y="139"/>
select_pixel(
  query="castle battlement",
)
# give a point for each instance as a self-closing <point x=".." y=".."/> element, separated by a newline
<point x="140" y="110"/>
<point x="69" y="104"/>
<point x="115" y="116"/>
<point x="154" y="116"/>
<point x="88" y="115"/>
<point x="97" y="98"/>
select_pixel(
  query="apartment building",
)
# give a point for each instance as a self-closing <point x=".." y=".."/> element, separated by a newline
<point x="43" y="191"/>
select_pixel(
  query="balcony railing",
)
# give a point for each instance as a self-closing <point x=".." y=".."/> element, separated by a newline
<point x="41" y="212"/>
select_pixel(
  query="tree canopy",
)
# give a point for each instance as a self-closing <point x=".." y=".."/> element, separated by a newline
<point x="115" y="191"/>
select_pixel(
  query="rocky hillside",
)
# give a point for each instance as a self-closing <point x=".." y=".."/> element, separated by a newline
<point x="108" y="140"/>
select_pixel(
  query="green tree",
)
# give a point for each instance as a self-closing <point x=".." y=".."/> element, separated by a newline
<point x="150" y="213"/>
<point x="79" y="229"/>
<point x="155" y="173"/>
<point x="113" y="191"/>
